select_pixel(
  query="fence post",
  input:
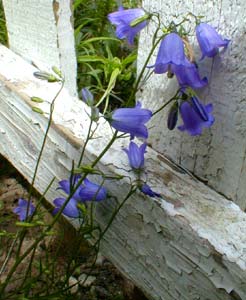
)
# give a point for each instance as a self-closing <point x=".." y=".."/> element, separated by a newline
<point x="218" y="156"/>
<point x="42" y="32"/>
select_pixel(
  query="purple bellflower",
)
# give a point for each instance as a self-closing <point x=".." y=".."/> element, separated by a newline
<point x="92" y="192"/>
<point x="131" y="120"/>
<point x="209" y="40"/>
<point x="124" y="20"/>
<point x="171" y="53"/>
<point x="21" y="209"/>
<point x="195" y="116"/>
<point x="66" y="186"/>
<point x="145" y="188"/>
<point x="189" y="76"/>
<point x="136" y="155"/>
<point x="70" y="210"/>
<point x="87" y="191"/>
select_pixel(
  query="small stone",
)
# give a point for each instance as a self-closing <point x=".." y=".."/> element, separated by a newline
<point x="100" y="259"/>
<point x="73" y="283"/>
<point x="86" y="281"/>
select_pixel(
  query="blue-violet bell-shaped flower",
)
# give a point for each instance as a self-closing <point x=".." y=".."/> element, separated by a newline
<point x="124" y="19"/>
<point x="90" y="191"/>
<point x="131" y="120"/>
<point x="189" y="77"/>
<point x="136" y="155"/>
<point x="21" y="209"/>
<point x="145" y="188"/>
<point x="68" y="185"/>
<point x="195" y="116"/>
<point x="70" y="210"/>
<point x="209" y="40"/>
<point x="171" y="53"/>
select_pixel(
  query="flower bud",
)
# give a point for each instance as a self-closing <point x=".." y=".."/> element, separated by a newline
<point x="172" y="117"/>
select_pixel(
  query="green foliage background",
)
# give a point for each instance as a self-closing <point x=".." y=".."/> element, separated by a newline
<point x="3" y="30"/>
<point x="105" y="64"/>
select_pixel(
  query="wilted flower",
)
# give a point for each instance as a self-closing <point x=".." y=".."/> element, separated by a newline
<point x="70" y="210"/>
<point x="126" y="27"/>
<point x="209" y="40"/>
<point x="21" y="209"/>
<point x="195" y="116"/>
<point x="171" y="53"/>
<point x="145" y="188"/>
<point x="131" y="120"/>
<point x="136" y="155"/>
<point x="189" y="76"/>
<point x="90" y="191"/>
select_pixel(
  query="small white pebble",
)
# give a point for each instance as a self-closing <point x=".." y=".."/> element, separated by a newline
<point x="88" y="281"/>
<point x="73" y="282"/>
<point x="100" y="259"/>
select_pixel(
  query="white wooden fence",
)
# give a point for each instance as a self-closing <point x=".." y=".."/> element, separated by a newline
<point x="191" y="243"/>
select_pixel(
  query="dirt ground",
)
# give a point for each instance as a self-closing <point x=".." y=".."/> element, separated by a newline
<point x="104" y="281"/>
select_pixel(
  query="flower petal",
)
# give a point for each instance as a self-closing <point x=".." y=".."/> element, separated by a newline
<point x="193" y="123"/>
<point x="171" y="52"/>
<point x="71" y="210"/>
<point x="92" y="192"/>
<point x="189" y="76"/>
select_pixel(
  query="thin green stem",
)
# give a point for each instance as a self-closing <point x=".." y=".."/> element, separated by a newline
<point x="105" y="149"/>
<point x="85" y="144"/>
<point x="166" y="103"/>
<point x="144" y="67"/>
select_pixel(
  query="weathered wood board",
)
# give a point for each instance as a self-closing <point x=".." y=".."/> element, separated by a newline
<point x="187" y="245"/>
<point x="42" y="33"/>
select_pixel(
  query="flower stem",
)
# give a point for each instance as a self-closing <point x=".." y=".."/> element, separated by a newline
<point x="166" y="103"/>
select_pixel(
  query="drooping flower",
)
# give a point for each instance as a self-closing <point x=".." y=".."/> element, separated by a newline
<point x="209" y="40"/>
<point x="136" y="155"/>
<point x="195" y="116"/>
<point x="171" y="53"/>
<point x="70" y="210"/>
<point x="145" y="188"/>
<point x="90" y="191"/>
<point x="124" y="19"/>
<point x="189" y="76"/>
<point x="131" y="120"/>
<point x="67" y="185"/>
<point x="21" y="209"/>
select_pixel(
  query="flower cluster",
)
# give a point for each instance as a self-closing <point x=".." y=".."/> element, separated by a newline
<point x="172" y="58"/>
<point x="87" y="191"/>
<point x="175" y="57"/>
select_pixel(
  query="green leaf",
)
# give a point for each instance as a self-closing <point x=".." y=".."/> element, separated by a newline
<point x="100" y="38"/>
<point x="91" y="58"/>
<point x="129" y="59"/>
<point x="111" y="84"/>
<point x="25" y="224"/>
